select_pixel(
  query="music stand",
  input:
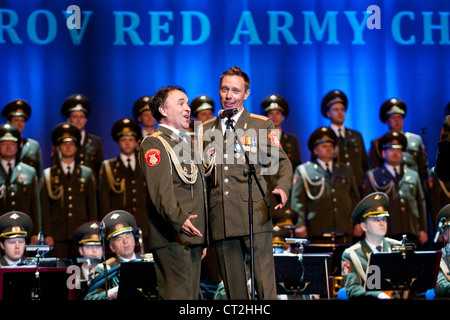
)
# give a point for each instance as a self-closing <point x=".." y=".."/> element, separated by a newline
<point x="137" y="281"/>
<point x="21" y="283"/>
<point x="306" y="276"/>
<point x="415" y="271"/>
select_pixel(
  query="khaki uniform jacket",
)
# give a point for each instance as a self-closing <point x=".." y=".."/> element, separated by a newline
<point x="21" y="193"/>
<point x="354" y="267"/>
<point x="290" y="145"/>
<point x="90" y="153"/>
<point x="174" y="200"/>
<point x="324" y="202"/>
<point x="229" y="187"/>
<point x="120" y="189"/>
<point x="66" y="204"/>
<point x="352" y="152"/>
<point x="30" y="153"/>
<point x="407" y="213"/>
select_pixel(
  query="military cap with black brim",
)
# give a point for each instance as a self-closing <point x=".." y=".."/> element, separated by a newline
<point x="373" y="205"/>
<point x="331" y="98"/>
<point x="17" y="108"/>
<point x="201" y="102"/>
<point x="392" y="106"/>
<point x="321" y="135"/>
<point x="118" y="222"/>
<point x="88" y="234"/>
<point x="394" y="139"/>
<point x="65" y="132"/>
<point x="126" y="127"/>
<point x="275" y="102"/>
<point x="15" y="224"/>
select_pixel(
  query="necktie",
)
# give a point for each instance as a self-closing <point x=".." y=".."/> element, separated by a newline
<point x="129" y="165"/>
<point x="9" y="173"/>
<point x="380" y="248"/>
<point x="68" y="173"/>
<point x="229" y="122"/>
<point x="397" y="175"/>
<point x="341" y="137"/>
<point x="328" y="168"/>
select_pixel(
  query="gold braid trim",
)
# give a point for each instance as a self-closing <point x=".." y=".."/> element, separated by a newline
<point x="307" y="181"/>
<point x="187" y="178"/>
<point x="60" y="190"/>
<point x="116" y="187"/>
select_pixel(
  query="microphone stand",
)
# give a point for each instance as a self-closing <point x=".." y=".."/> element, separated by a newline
<point x="103" y="238"/>
<point x="249" y="173"/>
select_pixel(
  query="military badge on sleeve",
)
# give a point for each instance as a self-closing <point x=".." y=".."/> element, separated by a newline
<point x="273" y="137"/>
<point x="345" y="268"/>
<point x="152" y="157"/>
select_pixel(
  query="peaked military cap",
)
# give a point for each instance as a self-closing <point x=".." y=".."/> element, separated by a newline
<point x="202" y="102"/>
<point x="333" y="97"/>
<point x="15" y="224"/>
<point x="279" y="236"/>
<point x="140" y="105"/>
<point x="444" y="214"/>
<point x="118" y="222"/>
<point x="65" y="132"/>
<point x="372" y="205"/>
<point x="321" y="135"/>
<point x="275" y="102"/>
<point x="10" y="133"/>
<point x="17" y="108"/>
<point x="76" y="102"/>
<point x="392" y="106"/>
<point x="126" y="127"/>
<point x="88" y="234"/>
<point x="285" y="217"/>
<point x="394" y="139"/>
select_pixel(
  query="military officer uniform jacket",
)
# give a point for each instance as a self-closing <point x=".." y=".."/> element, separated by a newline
<point x="414" y="157"/>
<point x="21" y="193"/>
<point x="325" y="202"/>
<point x="67" y="202"/>
<point x="229" y="187"/>
<point x="354" y="267"/>
<point x="174" y="193"/>
<point x="30" y="153"/>
<point x="351" y="151"/>
<point x="406" y="200"/>
<point x="439" y="195"/>
<point x="442" y="168"/>
<point x="90" y="153"/>
<point x="442" y="288"/>
<point x="123" y="189"/>
<point x="290" y="145"/>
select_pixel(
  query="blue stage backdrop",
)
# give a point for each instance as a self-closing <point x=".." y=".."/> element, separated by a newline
<point x="372" y="50"/>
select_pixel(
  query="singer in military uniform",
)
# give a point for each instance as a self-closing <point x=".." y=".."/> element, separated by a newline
<point x="324" y="192"/>
<point x="402" y="185"/>
<point x="351" y="150"/>
<point x="276" y="108"/>
<point x="68" y="193"/>
<point x="229" y="199"/>
<point x="77" y="108"/>
<point x="371" y="213"/>
<point x="442" y="288"/>
<point x="15" y="227"/>
<point x="19" y="187"/>
<point x="177" y="188"/>
<point x="393" y="112"/>
<point x="122" y="184"/>
<point x="17" y="113"/>
<point x="143" y="115"/>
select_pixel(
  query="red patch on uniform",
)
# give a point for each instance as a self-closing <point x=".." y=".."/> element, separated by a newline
<point x="273" y="136"/>
<point x="345" y="267"/>
<point x="152" y="157"/>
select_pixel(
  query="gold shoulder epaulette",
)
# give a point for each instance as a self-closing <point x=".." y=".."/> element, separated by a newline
<point x="156" y="134"/>
<point x="209" y="120"/>
<point x="258" y="116"/>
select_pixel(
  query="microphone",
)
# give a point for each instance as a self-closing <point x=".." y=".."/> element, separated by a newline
<point x="439" y="228"/>
<point x="102" y="229"/>
<point x="227" y="113"/>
